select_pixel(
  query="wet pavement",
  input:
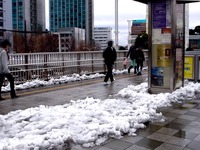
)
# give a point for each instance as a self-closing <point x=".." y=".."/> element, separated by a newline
<point x="180" y="131"/>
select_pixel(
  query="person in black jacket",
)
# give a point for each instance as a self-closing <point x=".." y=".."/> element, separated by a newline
<point x="132" y="53"/>
<point x="110" y="56"/>
<point x="139" y="60"/>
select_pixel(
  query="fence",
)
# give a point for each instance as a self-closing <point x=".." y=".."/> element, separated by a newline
<point x="29" y="66"/>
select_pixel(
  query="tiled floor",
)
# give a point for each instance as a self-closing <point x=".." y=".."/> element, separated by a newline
<point x="180" y="131"/>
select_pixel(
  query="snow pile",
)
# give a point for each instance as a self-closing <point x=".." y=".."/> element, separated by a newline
<point x="64" y="79"/>
<point x="87" y="122"/>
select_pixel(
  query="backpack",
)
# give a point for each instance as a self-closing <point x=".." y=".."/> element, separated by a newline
<point x="133" y="53"/>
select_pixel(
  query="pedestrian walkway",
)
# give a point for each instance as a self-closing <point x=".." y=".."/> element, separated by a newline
<point x="180" y="131"/>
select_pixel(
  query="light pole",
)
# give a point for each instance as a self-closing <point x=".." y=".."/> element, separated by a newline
<point x="129" y="33"/>
<point x="116" y="24"/>
<point x="25" y="34"/>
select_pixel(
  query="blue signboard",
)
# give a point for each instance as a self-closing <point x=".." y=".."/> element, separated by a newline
<point x="159" y="14"/>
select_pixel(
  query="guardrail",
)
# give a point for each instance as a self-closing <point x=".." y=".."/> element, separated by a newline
<point x="29" y="66"/>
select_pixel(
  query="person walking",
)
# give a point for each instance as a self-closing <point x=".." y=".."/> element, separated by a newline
<point x="4" y="71"/>
<point x="132" y="54"/>
<point x="139" y="60"/>
<point x="110" y="56"/>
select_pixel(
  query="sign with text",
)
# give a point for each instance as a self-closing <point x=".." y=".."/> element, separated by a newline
<point x="159" y="14"/>
<point x="188" y="67"/>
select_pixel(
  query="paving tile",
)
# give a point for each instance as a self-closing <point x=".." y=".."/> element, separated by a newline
<point x="149" y="143"/>
<point x="195" y="110"/>
<point x="194" y="145"/>
<point x="170" y="114"/>
<point x="197" y="119"/>
<point x="159" y="137"/>
<point x="132" y="139"/>
<point x="192" y="129"/>
<point x="187" y="117"/>
<point x="152" y="127"/>
<point x="197" y="138"/>
<point x="188" y="105"/>
<point x="187" y="148"/>
<point x="195" y="123"/>
<point x="167" y="120"/>
<point x="178" y="141"/>
<point x="136" y="147"/>
<point x="118" y="145"/>
<point x="174" y="125"/>
<point x="194" y="114"/>
<point x="178" y="111"/>
<point x="166" y="146"/>
<point x="103" y="148"/>
<point x="182" y="121"/>
<point x="186" y="135"/>
<point x="78" y="147"/>
<point x="167" y="131"/>
<point x="144" y="132"/>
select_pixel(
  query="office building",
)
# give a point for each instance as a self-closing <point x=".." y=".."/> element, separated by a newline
<point x="29" y="12"/>
<point x="102" y="35"/>
<point x="72" y="13"/>
<point x="70" y="38"/>
<point x="1" y="19"/>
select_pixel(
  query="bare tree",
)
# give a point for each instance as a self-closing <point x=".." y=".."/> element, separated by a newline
<point x="7" y="35"/>
<point x="18" y="43"/>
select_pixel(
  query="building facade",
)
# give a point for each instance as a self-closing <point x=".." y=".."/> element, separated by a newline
<point x="1" y="19"/>
<point x="136" y="27"/>
<point x="72" y="13"/>
<point x="102" y="35"/>
<point x="70" y="38"/>
<point x="30" y="13"/>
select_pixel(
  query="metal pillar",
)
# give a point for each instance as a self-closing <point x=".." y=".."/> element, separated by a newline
<point x="116" y="24"/>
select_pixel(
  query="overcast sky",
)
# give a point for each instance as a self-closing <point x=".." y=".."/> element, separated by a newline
<point x="104" y="15"/>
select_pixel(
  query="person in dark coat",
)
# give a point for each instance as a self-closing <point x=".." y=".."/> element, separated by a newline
<point x="132" y="54"/>
<point x="4" y="71"/>
<point x="139" y="60"/>
<point x="110" y="56"/>
<point x="189" y="49"/>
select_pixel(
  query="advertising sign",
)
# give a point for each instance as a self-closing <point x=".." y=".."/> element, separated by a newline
<point x="159" y="14"/>
<point x="163" y="55"/>
<point x="188" y="67"/>
<point x="157" y="77"/>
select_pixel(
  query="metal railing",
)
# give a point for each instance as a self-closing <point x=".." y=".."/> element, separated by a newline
<point x="29" y="66"/>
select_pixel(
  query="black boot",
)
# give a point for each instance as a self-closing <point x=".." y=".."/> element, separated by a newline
<point x="1" y="98"/>
<point x="135" y="70"/>
<point x="129" y="69"/>
<point x="14" y="97"/>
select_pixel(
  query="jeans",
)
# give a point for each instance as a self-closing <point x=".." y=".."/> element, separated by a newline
<point x="109" y="73"/>
<point x="11" y="80"/>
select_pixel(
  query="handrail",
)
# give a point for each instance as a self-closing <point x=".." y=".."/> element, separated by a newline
<point x="28" y="66"/>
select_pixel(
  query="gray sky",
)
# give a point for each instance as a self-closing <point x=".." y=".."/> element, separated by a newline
<point x="104" y="15"/>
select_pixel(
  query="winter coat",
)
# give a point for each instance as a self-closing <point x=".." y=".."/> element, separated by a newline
<point x="3" y="62"/>
<point x="109" y="55"/>
<point x="140" y="56"/>
<point x="132" y="52"/>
